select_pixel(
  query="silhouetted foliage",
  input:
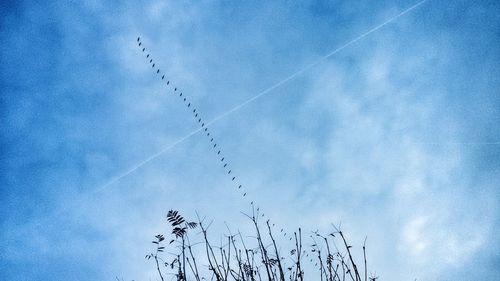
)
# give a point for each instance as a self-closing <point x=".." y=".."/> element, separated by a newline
<point x="233" y="260"/>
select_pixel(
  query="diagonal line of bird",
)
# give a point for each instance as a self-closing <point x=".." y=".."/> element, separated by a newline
<point x="260" y="94"/>
<point x="196" y="115"/>
<point x="204" y="125"/>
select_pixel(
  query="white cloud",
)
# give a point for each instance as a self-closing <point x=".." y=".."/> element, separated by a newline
<point x="414" y="239"/>
<point x="345" y="142"/>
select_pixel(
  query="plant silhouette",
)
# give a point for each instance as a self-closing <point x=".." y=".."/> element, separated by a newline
<point x="253" y="258"/>
<point x="234" y="260"/>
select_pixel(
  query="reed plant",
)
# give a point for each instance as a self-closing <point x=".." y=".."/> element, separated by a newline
<point x="254" y="257"/>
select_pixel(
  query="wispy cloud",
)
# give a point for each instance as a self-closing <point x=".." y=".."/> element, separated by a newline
<point x="377" y="136"/>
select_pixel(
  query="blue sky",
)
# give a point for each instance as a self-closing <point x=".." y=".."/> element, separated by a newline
<point x="396" y="136"/>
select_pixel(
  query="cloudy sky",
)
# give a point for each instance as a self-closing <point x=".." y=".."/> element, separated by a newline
<point x="395" y="135"/>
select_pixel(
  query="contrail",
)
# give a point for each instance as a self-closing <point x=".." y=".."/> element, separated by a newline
<point x="320" y="60"/>
<point x="236" y="108"/>
<point x="262" y="93"/>
<point x="119" y="177"/>
<point x="145" y="161"/>
<point x="458" y="142"/>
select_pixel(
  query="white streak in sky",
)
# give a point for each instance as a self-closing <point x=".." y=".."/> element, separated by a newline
<point x="236" y="108"/>
<point x="262" y="93"/>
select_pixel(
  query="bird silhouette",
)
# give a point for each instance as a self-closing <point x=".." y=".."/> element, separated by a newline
<point x="188" y="104"/>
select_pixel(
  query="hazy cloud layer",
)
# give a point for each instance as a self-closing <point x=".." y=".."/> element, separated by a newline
<point x="396" y="136"/>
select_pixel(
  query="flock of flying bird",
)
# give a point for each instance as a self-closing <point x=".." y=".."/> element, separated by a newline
<point x="197" y="116"/>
